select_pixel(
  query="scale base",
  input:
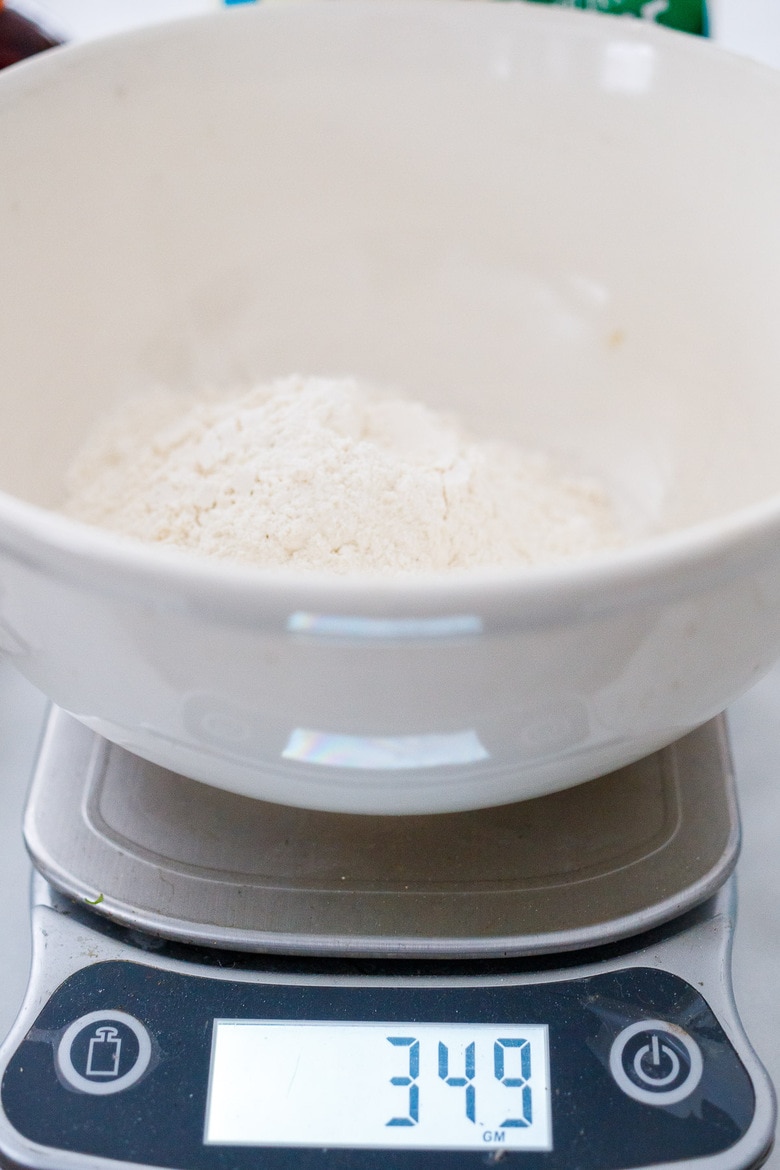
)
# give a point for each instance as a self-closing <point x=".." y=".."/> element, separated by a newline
<point x="627" y="1053"/>
<point x="674" y="987"/>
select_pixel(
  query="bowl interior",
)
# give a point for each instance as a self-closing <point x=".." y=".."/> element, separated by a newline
<point x="562" y="226"/>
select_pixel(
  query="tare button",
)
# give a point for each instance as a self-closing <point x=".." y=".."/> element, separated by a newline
<point x="104" y="1052"/>
<point x="655" y="1062"/>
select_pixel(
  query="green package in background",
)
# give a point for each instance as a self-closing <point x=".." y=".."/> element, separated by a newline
<point x="686" y="15"/>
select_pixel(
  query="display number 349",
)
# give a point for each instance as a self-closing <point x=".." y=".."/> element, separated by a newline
<point x="464" y="1072"/>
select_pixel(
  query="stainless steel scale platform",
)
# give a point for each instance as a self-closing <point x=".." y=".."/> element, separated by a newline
<point x="545" y="983"/>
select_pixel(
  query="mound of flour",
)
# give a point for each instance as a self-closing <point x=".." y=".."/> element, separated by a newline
<point x="316" y="473"/>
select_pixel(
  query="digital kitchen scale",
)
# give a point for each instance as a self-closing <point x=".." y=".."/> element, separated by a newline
<point x="222" y="983"/>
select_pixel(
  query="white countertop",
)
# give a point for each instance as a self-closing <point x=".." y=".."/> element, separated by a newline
<point x="747" y="26"/>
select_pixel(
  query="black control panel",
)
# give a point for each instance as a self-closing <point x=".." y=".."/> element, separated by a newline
<point x="119" y="1065"/>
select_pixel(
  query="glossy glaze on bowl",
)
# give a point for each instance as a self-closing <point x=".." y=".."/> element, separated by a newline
<point x="562" y="226"/>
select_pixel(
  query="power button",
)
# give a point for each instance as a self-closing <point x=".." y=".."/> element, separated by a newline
<point x="655" y="1062"/>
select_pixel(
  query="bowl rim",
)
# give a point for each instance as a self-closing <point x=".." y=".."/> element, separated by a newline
<point x="652" y="569"/>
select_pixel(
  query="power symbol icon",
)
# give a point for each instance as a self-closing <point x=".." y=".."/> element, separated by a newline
<point x="655" y="1062"/>
<point x="651" y="1060"/>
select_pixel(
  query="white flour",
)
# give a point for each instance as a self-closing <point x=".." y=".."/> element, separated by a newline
<point x="316" y="473"/>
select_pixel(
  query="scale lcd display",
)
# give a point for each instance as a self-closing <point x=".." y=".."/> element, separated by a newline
<point x="382" y="1085"/>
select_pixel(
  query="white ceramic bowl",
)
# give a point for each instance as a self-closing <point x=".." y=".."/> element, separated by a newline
<point x="564" y="226"/>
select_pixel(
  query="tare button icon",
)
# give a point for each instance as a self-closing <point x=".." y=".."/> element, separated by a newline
<point x="103" y="1052"/>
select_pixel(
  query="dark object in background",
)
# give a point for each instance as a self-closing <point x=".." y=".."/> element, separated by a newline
<point x="20" y="37"/>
